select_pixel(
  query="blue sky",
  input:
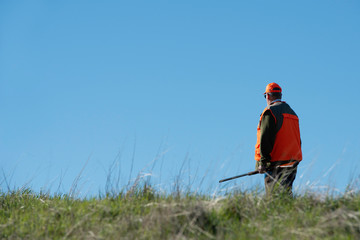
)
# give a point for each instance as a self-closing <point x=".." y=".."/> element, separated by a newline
<point x="173" y="88"/>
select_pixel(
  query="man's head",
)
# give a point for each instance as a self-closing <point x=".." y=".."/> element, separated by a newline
<point x="272" y="92"/>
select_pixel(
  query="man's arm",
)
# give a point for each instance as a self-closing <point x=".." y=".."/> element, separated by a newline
<point x="267" y="137"/>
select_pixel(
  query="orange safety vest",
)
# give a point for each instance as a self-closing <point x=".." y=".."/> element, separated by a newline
<point x="287" y="144"/>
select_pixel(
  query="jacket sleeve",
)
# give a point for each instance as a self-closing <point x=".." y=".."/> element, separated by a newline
<point x="267" y="137"/>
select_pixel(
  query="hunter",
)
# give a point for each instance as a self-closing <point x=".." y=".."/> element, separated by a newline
<point x="278" y="146"/>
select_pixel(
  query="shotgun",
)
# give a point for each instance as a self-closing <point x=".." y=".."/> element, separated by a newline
<point x="286" y="165"/>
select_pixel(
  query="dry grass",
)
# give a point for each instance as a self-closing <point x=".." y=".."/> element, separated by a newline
<point x="143" y="213"/>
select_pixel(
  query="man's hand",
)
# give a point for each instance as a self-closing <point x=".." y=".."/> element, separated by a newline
<point x="262" y="169"/>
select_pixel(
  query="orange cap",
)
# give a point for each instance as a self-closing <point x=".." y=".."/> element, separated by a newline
<point x="272" y="88"/>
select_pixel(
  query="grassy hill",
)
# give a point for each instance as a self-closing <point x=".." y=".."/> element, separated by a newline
<point x="143" y="213"/>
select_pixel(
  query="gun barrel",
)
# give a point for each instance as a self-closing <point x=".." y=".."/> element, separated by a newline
<point x="242" y="175"/>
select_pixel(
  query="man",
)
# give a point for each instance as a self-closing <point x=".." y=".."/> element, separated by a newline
<point x="278" y="146"/>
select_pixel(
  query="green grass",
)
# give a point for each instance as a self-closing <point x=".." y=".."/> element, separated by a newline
<point x="146" y="214"/>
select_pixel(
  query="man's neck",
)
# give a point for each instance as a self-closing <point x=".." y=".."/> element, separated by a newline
<point x="274" y="101"/>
